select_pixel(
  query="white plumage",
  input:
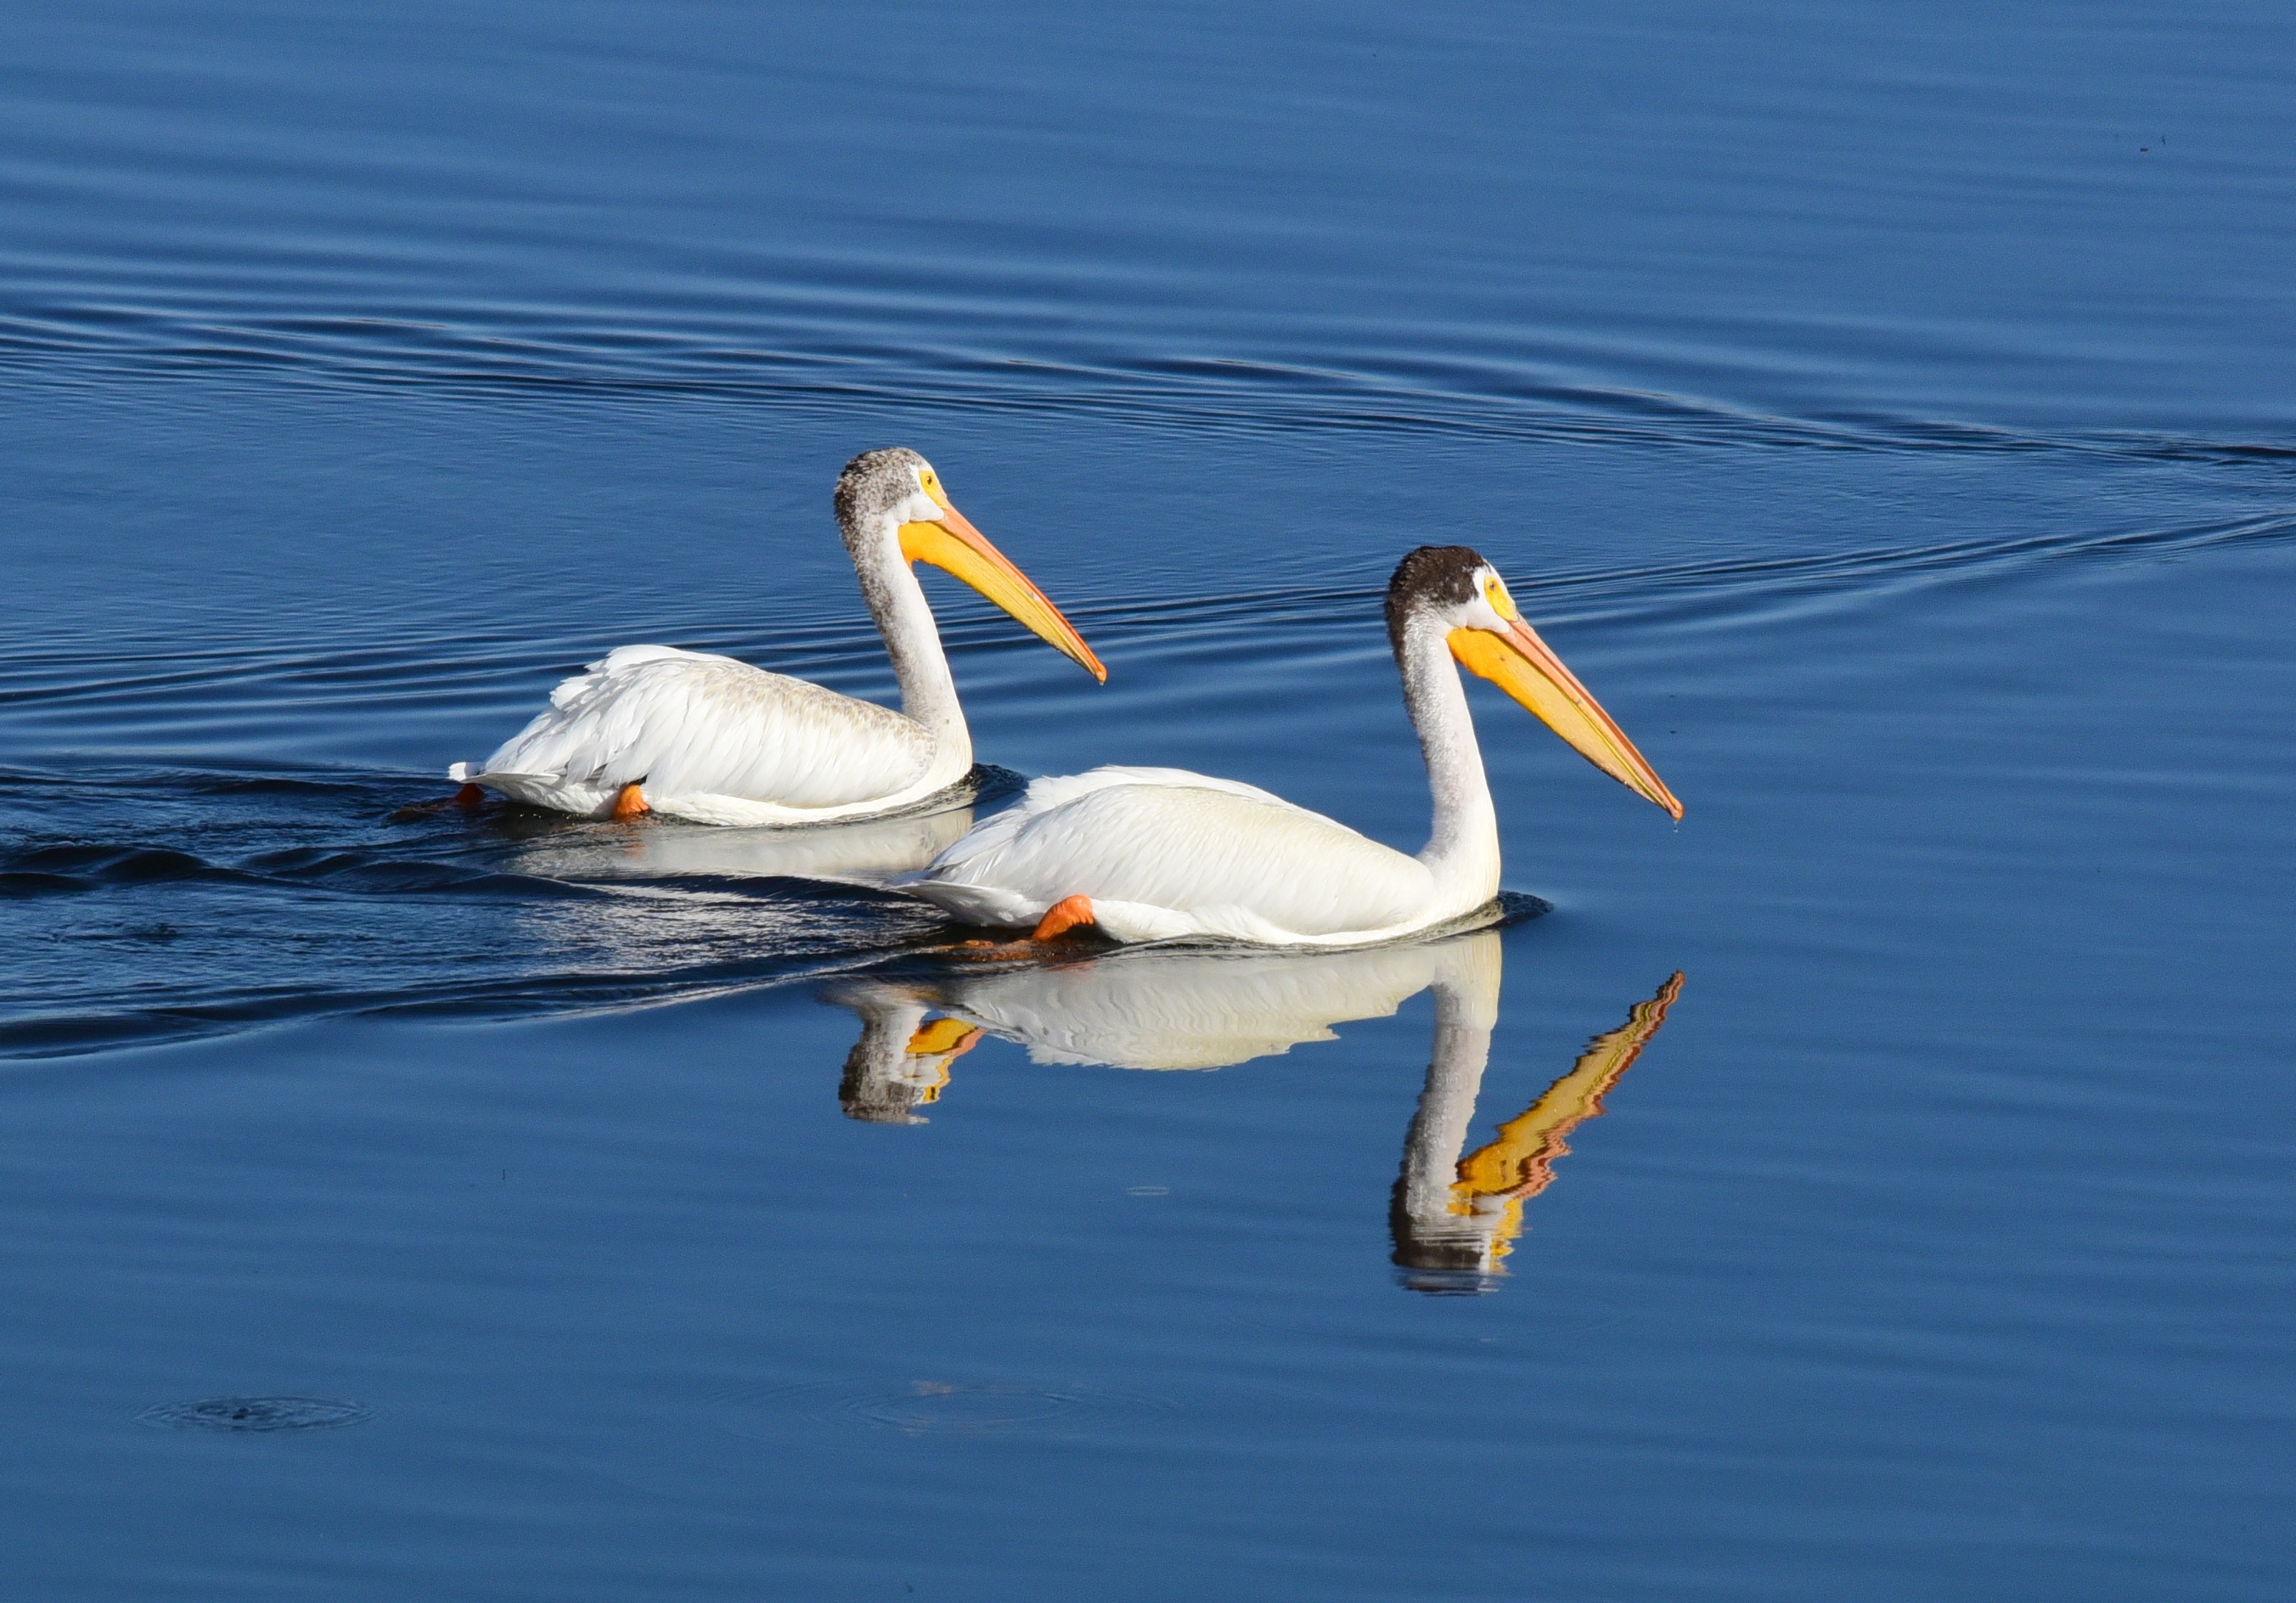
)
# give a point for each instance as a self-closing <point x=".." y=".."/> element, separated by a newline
<point x="1160" y="854"/>
<point x="654" y="729"/>
<point x="711" y="739"/>
<point x="1164" y="852"/>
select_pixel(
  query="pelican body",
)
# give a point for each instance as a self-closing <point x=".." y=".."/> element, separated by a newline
<point x="1161" y="853"/>
<point x="706" y="738"/>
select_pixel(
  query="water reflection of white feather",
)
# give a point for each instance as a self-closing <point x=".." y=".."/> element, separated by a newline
<point x="1145" y="1007"/>
<point x="671" y="901"/>
<point x="1153" y="1009"/>
<point x="849" y="853"/>
<point x="1455" y="1213"/>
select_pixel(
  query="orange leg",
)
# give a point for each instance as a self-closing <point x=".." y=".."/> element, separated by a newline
<point x="469" y="796"/>
<point x="1070" y="913"/>
<point x="631" y="803"/>
<point x="1064" y="916"/>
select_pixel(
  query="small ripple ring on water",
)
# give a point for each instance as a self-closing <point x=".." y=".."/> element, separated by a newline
<point x="255" y="1414"/>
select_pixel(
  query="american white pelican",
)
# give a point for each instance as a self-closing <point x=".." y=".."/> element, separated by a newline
<point x="1160" y="854"/>
<point x="655" y="729"/>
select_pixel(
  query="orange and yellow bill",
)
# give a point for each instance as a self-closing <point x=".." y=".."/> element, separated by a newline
<point x="1527" y="668"/>
<point x="954" y="546"/>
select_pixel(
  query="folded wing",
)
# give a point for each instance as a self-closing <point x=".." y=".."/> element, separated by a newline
<point x="1230" y="858"/>
<point x="686" y="723"/>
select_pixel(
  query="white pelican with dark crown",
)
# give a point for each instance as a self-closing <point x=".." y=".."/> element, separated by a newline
<point x="1160" y="854"/>
<point x="654" y="729"/>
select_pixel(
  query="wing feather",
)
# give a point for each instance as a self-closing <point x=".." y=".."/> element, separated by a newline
<point x="1231" y="858"/>
<point x="689" y="723"/>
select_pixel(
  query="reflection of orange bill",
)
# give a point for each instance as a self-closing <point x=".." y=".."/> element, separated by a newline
<point x="954" y="546"/>
<point x="1527" y="668"/>
<point x="951" y="1036"/>
<point x="947" y="1039"/>
<point x="1520" y="1162"/>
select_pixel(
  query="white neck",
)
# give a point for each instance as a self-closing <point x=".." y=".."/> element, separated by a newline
<point x="1463" y="849"/>
<point x="889" y="586"/>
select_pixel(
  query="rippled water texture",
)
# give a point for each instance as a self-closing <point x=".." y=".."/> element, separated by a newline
<point x="1875" y="1187"/>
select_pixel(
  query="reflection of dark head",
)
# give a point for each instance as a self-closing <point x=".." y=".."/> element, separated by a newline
<point x="1441" y="1257"/>
<point x="878" y="1099"/>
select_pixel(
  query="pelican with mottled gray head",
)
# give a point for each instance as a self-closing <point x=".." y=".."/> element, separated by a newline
<point x="1160" y="854"/>
<point x="654" y="729"/>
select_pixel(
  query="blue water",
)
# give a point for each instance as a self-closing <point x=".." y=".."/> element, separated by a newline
<point x="1886" y="413"/>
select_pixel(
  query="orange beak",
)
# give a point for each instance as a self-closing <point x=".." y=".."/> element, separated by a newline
<point x="954" y="546"/>
<point x="1526" y="668"/>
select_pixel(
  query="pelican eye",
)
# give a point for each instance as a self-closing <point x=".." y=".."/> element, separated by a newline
<point x="1502" y="603"/>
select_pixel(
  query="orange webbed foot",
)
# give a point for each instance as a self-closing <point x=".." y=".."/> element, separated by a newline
<point x="1063" y="917"/>
<point x="1072" y="913"/>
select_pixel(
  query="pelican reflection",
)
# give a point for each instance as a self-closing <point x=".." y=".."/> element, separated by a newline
<point x="1456" y="1218"/>
<point x="901" y="1062"/>
<point x="1136" y="1007"/>
<point x="861" y="854"/>
<point x="1455" y="1214"/>
<point x="695" y="906"/>
<point x="1165" y="1009"/>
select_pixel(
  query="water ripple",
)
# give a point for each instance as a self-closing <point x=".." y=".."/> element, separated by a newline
<point x="939" y="1406"/>
<point x="155" y="904"/>
<point x="151" y="901"/>
<point x="1437" y="398"/>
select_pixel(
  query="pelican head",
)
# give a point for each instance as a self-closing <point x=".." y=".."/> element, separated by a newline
<point x="1459" y="592"/>
<point x="891" y="507"/>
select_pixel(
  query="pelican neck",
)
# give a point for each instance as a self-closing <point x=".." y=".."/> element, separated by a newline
<point x="1463" y="845"/>
<point x="889" y="586"/>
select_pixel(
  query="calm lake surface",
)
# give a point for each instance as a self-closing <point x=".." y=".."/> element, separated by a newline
<point x="1887" y="412"/>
